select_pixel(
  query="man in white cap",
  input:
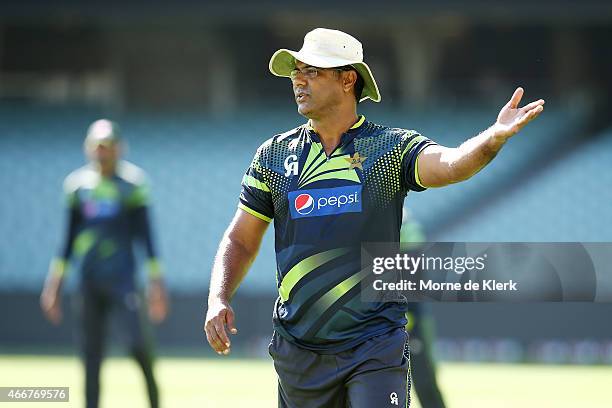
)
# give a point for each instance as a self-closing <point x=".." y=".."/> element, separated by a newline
<point x="330" y="185"/>
<point x="108" y="205"/>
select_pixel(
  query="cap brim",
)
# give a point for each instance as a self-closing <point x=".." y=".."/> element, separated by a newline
<point x="283" y="62"/>
<point x="370" y="89"/>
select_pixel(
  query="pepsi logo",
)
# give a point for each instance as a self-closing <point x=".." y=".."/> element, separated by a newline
<point x="325" y="201"/>
<point x="304" y="204"/>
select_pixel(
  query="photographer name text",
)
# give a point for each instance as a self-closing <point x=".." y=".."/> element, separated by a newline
<point x="430" y="285"/>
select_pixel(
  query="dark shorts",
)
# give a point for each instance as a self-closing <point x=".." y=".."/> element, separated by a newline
<point x="97" y="309"/>
<point x="372" y="374"/>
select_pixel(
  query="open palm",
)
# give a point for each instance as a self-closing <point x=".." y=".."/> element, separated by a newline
<point x="511" y="118"/>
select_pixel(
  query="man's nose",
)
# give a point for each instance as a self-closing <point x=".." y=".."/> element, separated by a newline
<point x="299" y="79"/>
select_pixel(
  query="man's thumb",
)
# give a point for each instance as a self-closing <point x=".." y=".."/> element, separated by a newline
<point x="229" y="320"/>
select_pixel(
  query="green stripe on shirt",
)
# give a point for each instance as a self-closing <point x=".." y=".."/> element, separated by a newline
<point x="254" y="213"/>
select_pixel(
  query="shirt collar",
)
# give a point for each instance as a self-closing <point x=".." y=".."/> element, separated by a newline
<point x="357" y="125"/>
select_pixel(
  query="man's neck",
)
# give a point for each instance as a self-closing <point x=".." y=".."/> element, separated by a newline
<point x="331" y="128"/>
<point x="105" y="171"/>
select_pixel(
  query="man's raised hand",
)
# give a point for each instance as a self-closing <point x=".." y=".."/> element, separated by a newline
<point x="512" y="119"/>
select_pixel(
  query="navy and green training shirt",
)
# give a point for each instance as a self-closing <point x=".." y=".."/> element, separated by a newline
<point x="107" y="216"/>
<point x="323" y="208"/>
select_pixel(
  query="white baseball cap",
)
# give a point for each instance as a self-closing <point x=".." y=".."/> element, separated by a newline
<point x="102" y="132"/>
<point x="325" y="48"/>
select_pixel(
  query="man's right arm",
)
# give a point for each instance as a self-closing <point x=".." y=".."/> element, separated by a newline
<point x="50" y="298"/>
<point x="237" y="251"/>
<point x="439" y="166"/>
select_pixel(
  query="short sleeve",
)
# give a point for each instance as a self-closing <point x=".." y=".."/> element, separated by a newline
<point x="70" y="187"/>
<point x="140" y="192"/>
<point x="139" y="197"/>
<point x="255" y="196"/>
<point x="412" y="145"/>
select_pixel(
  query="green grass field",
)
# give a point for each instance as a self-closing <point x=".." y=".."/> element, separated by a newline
<point x="219" y="382"/>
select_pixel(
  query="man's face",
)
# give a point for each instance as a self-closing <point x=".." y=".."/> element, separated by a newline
<point x="315" y="96"/>
<point x="105" y="154"/>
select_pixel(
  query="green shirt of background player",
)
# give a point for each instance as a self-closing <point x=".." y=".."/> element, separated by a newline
<point x="326" y="96"/>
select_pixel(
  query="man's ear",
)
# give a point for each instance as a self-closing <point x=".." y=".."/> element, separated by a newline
<point x="348" y="80"/>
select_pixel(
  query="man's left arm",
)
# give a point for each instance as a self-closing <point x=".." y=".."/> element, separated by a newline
<point x="439" y="166"/>
<point x="157" y="295"/>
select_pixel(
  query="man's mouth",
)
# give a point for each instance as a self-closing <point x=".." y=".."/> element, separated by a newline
<point x="301" y="96"/>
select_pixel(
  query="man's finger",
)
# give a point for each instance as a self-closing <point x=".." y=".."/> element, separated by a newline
<point x="220" y="347"/>
<point x="161" y="308"/>
<point x="213" y="338"/>
<point x="532" y="105"/>
<point x="229" y="319"/>
<point x="54" y="314"/>
<point x="529" y="116"/>
<point x="51" y="310"/>
<point x="219" y="324"/>
<point x="157" y="311"/>
<point x="516" y="98"/>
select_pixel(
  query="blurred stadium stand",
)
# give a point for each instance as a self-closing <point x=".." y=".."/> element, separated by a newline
<point x="196" y="165"/>
<point x="567" y="201"/>
<point x="527" y="153"/>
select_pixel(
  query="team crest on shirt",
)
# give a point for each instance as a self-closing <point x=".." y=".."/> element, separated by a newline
<point x="291" y="165"/>
<point x="356" y="161"/>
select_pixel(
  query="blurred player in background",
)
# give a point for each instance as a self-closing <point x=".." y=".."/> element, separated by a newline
<point x="330" y="185"/>
<point x="420" y="326"/>
<point x="108" y="201"/>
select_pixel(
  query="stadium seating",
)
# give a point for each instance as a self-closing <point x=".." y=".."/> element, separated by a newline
<point x="436" y="207"/>
<point x="196" y="164"/>
<point x="568" y="201"/>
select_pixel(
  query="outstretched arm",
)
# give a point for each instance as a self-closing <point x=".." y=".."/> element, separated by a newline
<point x="237" y="251"/>
<point x="439" y="166"/>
